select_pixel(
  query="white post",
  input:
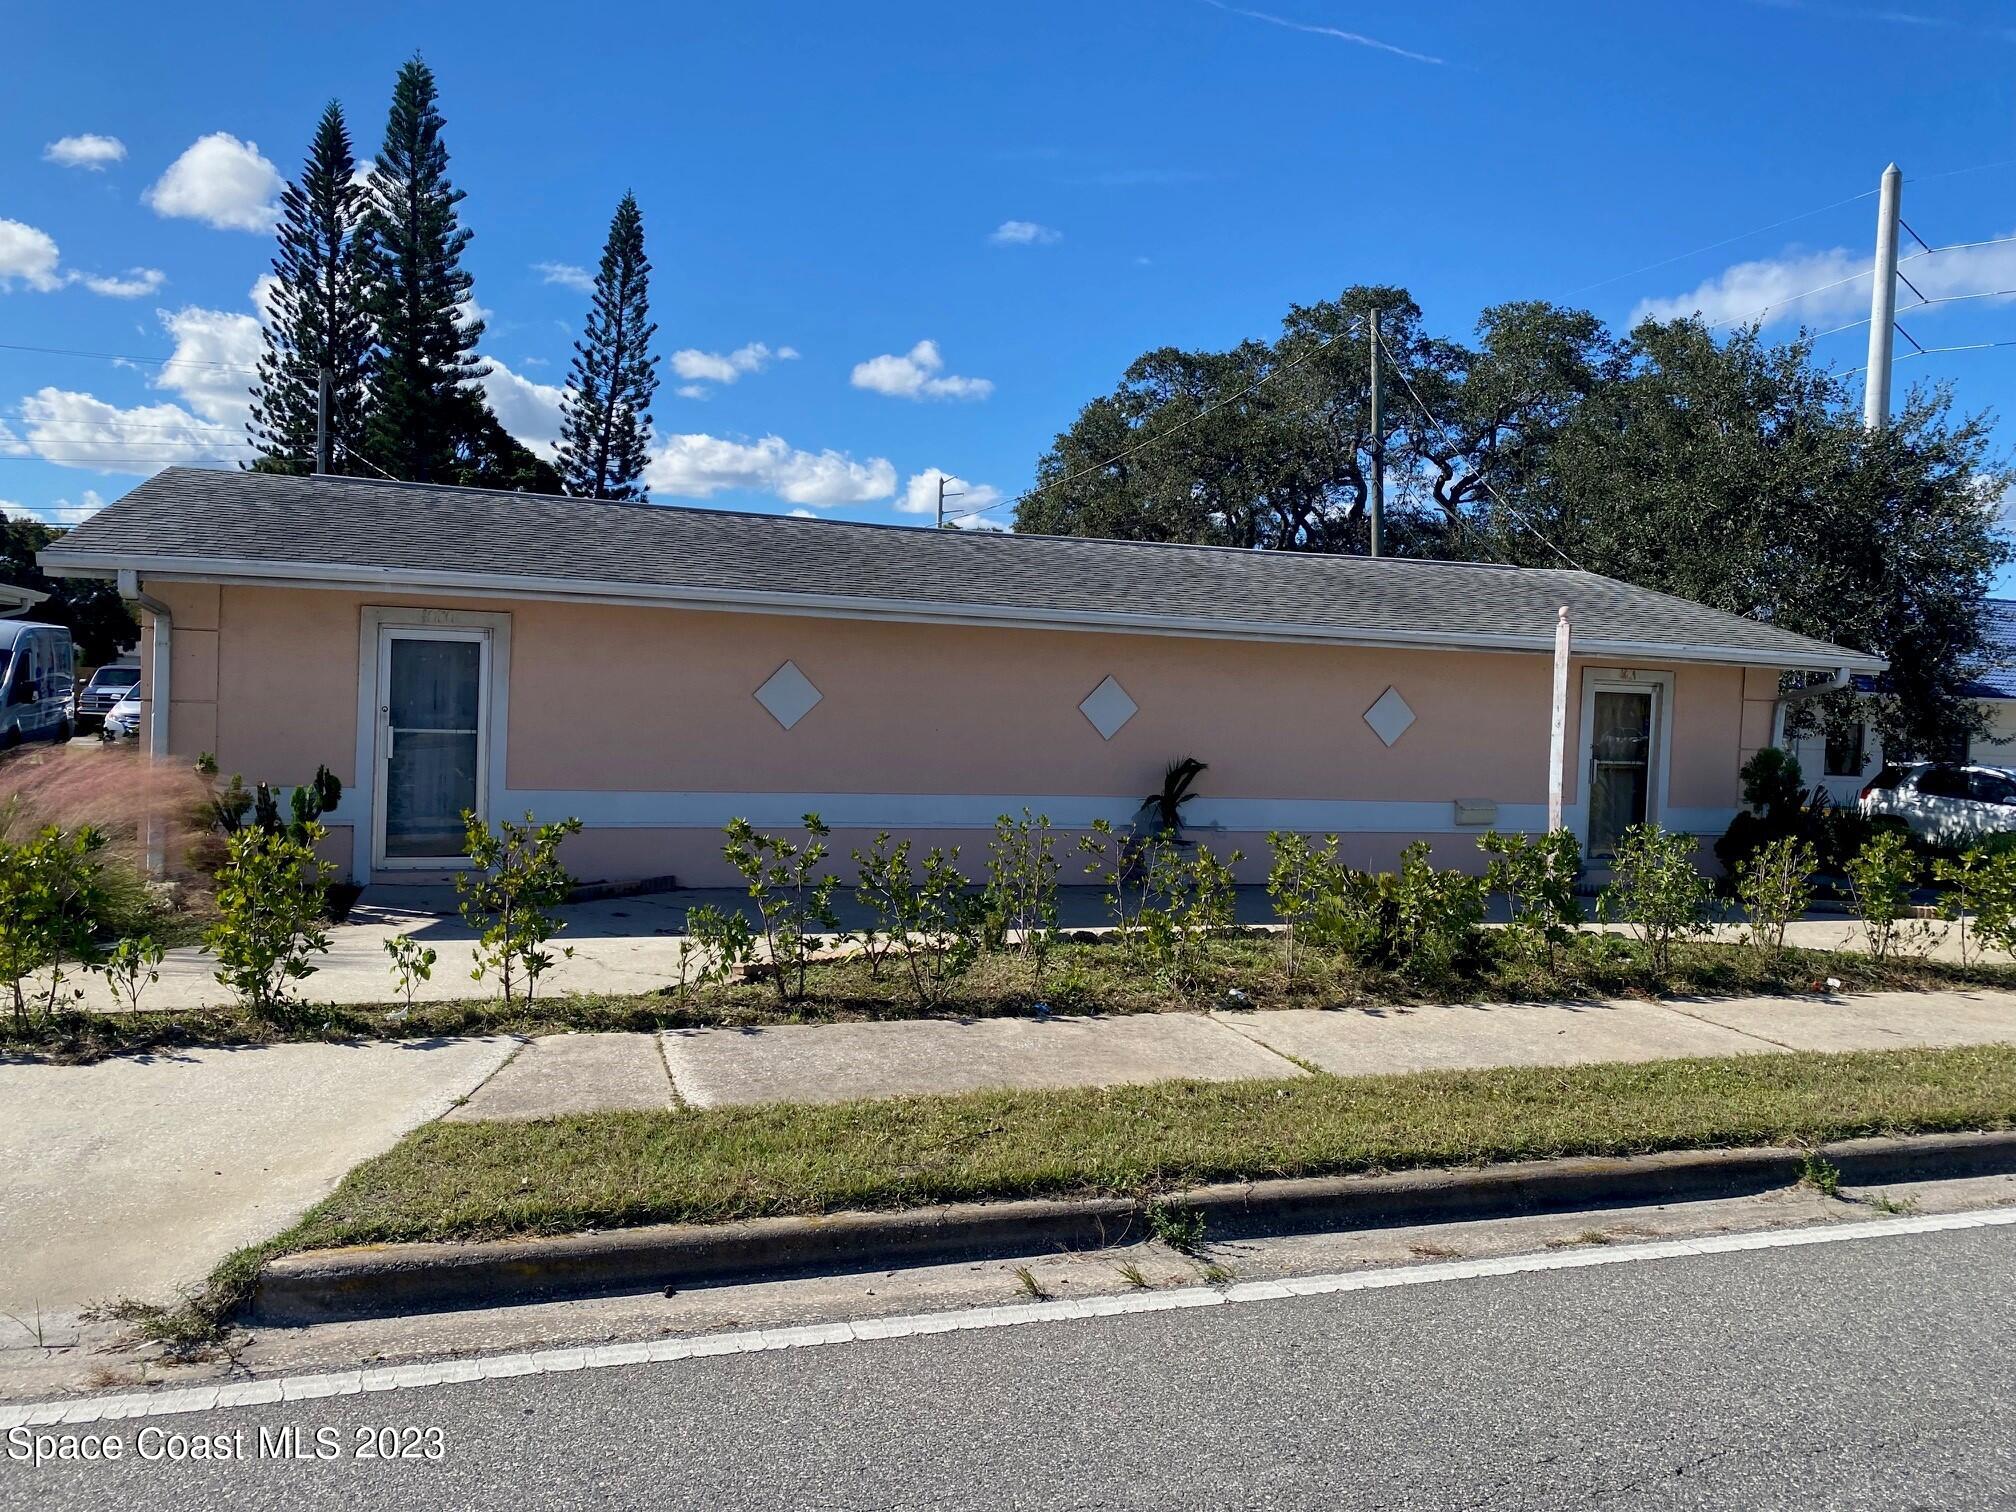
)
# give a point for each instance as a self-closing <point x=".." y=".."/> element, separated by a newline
<point x="1557" y="751"/>
<point x="1883" y="303"/>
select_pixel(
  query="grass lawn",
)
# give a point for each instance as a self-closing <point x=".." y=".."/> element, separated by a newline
<point x="1092" y="975"/>
<point x="451" y="1181"/>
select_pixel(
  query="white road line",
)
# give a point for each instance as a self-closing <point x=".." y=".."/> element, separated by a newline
<point x="77" y="1410"/>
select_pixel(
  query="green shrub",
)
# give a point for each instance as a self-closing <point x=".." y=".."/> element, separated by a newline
<point x="271" y="896"/>
<point x="879" y="873"/>
<point x="1880" y="877"/>
<point x="793" y="902"/>
<point x="1433" y="913"/>
<point x="1118" y="863"/>
<point x="932" y="925"/>
<point x="1300" y="880"/>
<point x="1021" y="891"/>
<point x="52" y="902"/>
<point x="1418" y="921"/>
<point x="1536" y="873"/>
<point x="715" y="944"/>
<point x="1656" y="889"/>
<point x="1195" y="900"/>
<point x="509" y="899"/>
<point x="131" y="967"/>
<point x="412" y="964"/>
<point x="1775" y="886"/>
<point x="1981" y="887"/>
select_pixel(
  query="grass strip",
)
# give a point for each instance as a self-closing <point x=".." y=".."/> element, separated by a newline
<point x="449" y="1181"/>
<point x="1083" y="977"/>
<point x="613" y="1170"/>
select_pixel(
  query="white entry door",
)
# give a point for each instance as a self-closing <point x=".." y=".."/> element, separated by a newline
<point x="433" y="743"/>
<point x="1623" y="750"/>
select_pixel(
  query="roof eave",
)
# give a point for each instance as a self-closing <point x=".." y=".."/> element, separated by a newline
<point x="71" y="563"/>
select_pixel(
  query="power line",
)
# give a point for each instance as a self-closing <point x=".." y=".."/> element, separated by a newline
<point x="228" y="367"/>
<point x="1970" y="346"/>
<point x="1715" y="245"/>
<point x="1442" y="431"/>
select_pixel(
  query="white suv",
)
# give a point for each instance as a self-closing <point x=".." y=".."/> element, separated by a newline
<point x="1944" y="802"/>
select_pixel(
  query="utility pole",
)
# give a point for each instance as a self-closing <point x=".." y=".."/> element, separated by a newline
<point x="942" y="497"/>
<point x="323" y="381"/>
<point x="1378" y="500"/>
<point x="1883" y="303"/>
<point x="1557" y="725"/>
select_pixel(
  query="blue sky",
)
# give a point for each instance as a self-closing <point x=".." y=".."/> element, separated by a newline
<point x="897" y="238"/>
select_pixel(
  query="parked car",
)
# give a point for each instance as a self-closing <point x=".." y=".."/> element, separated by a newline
<point x="37" y="682"/>
<point x="107" y="686"/>
<point x="1944" y="802"/>
<point x="123" y="722"/>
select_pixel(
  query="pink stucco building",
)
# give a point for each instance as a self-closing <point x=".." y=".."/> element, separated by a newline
<point x="657" y="671"/>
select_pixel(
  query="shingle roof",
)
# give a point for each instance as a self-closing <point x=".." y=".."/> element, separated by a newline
<point x="250" y="526"/>
<point x="1998" y="673"/>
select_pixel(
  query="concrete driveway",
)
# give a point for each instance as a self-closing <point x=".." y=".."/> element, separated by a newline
<point x="135" y="1176"/>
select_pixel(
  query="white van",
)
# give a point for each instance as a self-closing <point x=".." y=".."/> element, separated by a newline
<point x="37" y="680"/>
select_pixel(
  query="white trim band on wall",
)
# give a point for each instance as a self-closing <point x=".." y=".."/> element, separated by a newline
<point x="978" y="811"/>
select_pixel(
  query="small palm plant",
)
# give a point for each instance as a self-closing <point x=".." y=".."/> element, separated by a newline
<point x="1166" y="806"/>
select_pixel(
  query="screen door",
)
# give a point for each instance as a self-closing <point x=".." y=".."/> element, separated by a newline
<point x="1620" y="765"/>
<point x="431" y="741"/>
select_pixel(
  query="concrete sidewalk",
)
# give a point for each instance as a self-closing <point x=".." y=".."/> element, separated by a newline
<point x="630" y="945"/>
<point x="135" y="1176"/>
<point x="825" y="1063"/>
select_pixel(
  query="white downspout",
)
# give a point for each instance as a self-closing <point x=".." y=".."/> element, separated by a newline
<point x="161" y="664"/>
<point x="1833" y="682"/>
<point x="160" y="658"/>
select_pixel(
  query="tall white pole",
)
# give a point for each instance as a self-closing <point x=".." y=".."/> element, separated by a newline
<point x="1557" y="749"/>
<point x="1883" y="303"/>
<point x="1378" y="511"/>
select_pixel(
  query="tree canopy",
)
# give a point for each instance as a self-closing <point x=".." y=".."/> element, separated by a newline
<point x="98" y="619"/>
<point x="1735" y="472"/>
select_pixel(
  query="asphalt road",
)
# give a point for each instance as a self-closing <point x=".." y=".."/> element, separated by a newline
<point x="1871" y="1373"/>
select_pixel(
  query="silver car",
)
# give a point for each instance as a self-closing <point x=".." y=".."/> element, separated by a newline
<point x="1944" y="802"/>
<point x="123" y="722"/>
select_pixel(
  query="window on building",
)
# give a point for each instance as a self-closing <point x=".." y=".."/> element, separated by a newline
<point x="1846" y="755"/>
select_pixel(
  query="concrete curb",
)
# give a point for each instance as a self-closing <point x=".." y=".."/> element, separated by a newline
<point x="319" y="1286"/>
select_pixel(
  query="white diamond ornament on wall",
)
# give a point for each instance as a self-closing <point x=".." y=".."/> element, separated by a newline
<point x="1389" y="716"/>
<point x="788" y="694"/>
<point x="1108" y="707"/>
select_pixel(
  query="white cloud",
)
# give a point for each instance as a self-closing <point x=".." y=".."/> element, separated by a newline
<point x="222" y="182"/>
<point x="61" y="512"/>
<point x="916" y="375"/>
<point x="86" y="150"/>
<point x="12" y="445"/>
<point x="28" y="255"/>
<point x="700" y="466"/>
<point x="566" y="275"/>
<point x="74" y="429"/>
<point x="803" y="514"/>
<point x="31" y="257"/>
<point x="1831" y="287"/>
<point x="694" y="391"/>
<point x="715" y="367"/>
<point x="1021" y="233"/>
<point x="920" y="496"/>
<point x="528" y="410"/>
<point x="136" y="283"/>
<point x="211" y="366"/>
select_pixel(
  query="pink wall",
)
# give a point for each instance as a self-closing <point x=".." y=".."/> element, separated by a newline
<point x="615" y="699"/>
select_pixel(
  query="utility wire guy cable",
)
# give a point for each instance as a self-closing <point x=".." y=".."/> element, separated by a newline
<point x="1443" y="431"/>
